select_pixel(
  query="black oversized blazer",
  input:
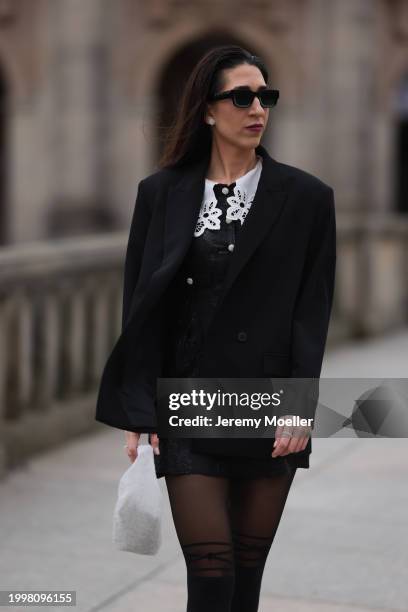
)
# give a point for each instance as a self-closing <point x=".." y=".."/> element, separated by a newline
<point x="273" y="314"/>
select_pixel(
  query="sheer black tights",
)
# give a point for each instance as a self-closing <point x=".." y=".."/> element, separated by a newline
<point x="226" y="529"/>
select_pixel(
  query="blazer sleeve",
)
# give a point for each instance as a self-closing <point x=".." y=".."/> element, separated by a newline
<point x="135" y="247"/>
<point x="314" y="301"/>
<point x="312" y="310"/>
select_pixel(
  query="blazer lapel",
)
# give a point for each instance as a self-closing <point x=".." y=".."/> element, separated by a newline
<point x="265" y="210"/>
<point x="182" y="209"/>
<point x="183" y="203"/>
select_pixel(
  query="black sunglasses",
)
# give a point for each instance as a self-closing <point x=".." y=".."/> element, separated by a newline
<point x="242" y="98"/>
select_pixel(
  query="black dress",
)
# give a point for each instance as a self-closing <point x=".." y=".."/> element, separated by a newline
<point x="192" y="297"/>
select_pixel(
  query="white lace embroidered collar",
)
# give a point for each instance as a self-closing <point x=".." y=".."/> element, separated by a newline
<point x="239" y="201"/>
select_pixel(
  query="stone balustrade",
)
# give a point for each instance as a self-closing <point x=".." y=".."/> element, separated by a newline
<point x="60" y="313"/>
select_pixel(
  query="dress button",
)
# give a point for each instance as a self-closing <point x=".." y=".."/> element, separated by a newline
<point x="231" y="247"/>
<point x="189" y="280"/>
<point x="242" y="336"/>
<point x="225" y="190"/>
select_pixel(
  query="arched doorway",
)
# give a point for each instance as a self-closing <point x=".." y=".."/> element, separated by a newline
<point x="4" y="152"/>
<point x="401" y="194"/>
<point x="177" y="70"/>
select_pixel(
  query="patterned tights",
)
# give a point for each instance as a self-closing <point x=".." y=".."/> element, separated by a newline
<point x="226" y="528"/>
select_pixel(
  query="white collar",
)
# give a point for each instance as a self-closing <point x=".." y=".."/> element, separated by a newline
<point x="248" y="182"/>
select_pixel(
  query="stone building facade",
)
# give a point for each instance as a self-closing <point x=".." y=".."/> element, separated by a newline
<point x="85" y="87"/>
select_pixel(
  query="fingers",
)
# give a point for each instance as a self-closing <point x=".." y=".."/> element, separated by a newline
<point x="282" y="441"/>
<point x="282" y="446"/>
<point x="132" y="442"/>
<point x="289" y="441"/>
<point x="154" y="441"/>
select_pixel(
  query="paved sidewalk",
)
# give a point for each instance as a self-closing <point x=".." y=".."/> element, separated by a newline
<point x="341" y="545"/>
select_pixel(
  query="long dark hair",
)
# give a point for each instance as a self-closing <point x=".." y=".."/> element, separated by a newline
<point x="189" y="138"/>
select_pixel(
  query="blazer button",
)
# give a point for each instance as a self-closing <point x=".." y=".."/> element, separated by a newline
<point x="231" y="247"/>
<point x="189" y="280"/>
<point x="242" y="336"/>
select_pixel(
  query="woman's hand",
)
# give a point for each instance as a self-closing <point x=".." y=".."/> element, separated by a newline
<point x="290" y="439"/>
<point x="154" y="441"/>
<point x="132" y="442"/>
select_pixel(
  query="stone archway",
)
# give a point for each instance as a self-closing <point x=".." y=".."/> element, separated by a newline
<point x="4" y="153"/>
<point x="401" y="153"/>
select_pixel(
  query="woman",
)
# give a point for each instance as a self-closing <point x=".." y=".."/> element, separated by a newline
<point x="229" y="272"/>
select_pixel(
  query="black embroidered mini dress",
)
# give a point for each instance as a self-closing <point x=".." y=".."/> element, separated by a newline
<point x="195" y="291"/>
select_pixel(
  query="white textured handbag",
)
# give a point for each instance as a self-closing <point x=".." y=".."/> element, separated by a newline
<point x="138" y="509"/>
